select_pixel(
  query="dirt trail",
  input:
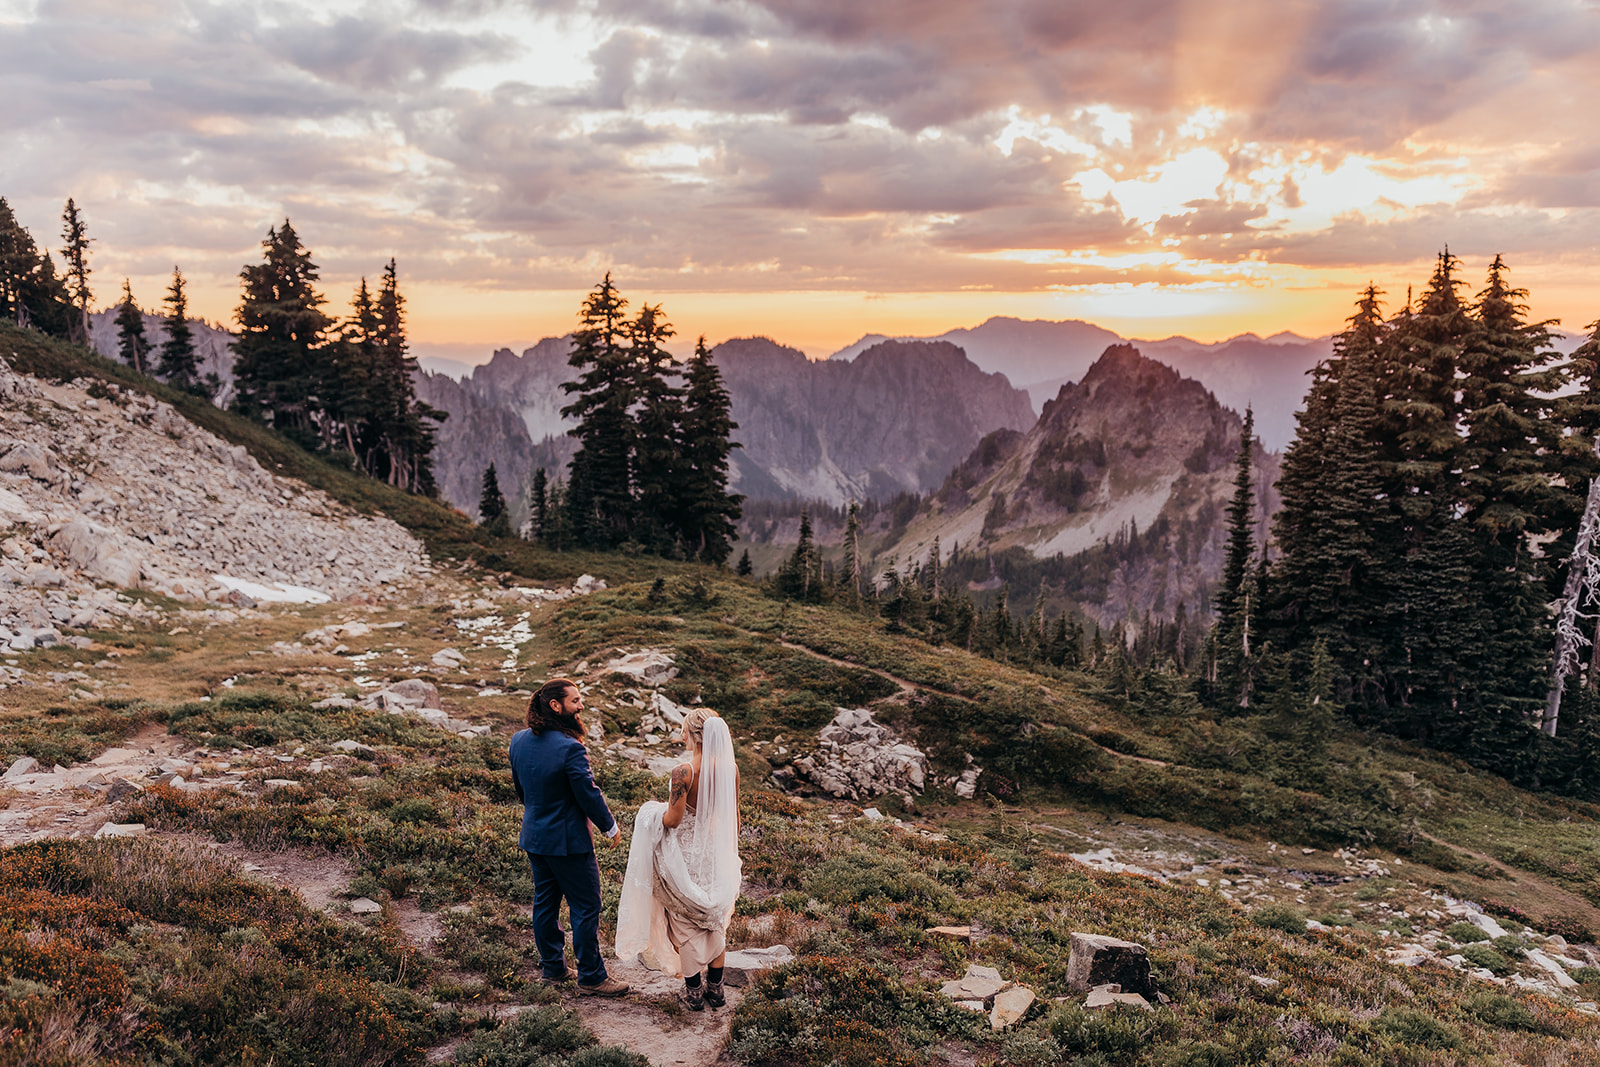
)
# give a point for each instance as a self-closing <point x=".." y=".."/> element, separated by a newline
<point x="1559" y="901"/>
<point x="637" y="1021"/>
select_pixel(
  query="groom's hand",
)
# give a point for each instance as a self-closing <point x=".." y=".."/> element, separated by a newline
<point x="616" y="836"/>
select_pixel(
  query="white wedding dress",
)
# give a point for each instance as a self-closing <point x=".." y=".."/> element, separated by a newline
<point x="682" y="883"/>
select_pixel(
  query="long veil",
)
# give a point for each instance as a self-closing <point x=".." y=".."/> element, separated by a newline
<point x="657" y="868"/>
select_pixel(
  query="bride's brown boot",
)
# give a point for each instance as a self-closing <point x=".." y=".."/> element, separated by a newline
<point x="692" y="997"/>
<point x="714" y="995"/>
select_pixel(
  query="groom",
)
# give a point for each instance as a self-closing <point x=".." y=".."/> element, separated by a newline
<point x="550" y="772"/>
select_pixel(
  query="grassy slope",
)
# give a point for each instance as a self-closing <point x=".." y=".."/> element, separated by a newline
<point x="852" y="897"/>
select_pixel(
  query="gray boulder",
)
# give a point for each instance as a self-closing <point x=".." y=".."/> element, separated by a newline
<point x="1099" y="960"/>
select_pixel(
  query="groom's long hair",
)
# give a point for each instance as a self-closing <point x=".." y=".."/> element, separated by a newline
<point x="542" y="717"/>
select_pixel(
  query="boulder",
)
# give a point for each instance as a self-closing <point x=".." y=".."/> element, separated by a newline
<point x="448" y="658"/>
<point x="951" y="933"/>
<point x="648" y="666"/>
<point x="23" y="765"/>
<point x="365" y="906"/>
<point x="28" y="458"/>
<point x="121" y="788"/>
<point x="412" y="694"/>
<point x="96" y="552"/>
<point x="354" y="748"/>
<point x="126" y="829"/>
<point x="1099" y="960"/>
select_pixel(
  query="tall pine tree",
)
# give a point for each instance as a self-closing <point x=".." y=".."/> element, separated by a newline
<point x="180" y="365"/>
<point x="709" y="513"/>
<point x="75" y="258"/>
<point x="280" y="372"/>
<point x="600" y="488"/>
<point x="132" y="345"/>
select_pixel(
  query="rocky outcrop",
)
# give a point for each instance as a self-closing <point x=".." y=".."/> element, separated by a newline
<point x="121" y="492"/>
<point x="213" y="345"/>
<point x="857" y="757"/>
<point x="895" y="419"/>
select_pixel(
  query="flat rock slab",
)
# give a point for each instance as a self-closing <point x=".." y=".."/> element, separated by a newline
<point x="979" y="983"/>
<point x="1106" y="996"/>
<point x="365" y="906"/>
<point x="1009" y="1006"/>
<point x="744" y="963"/>
<point x="124" y="829"/>
<point x="950" y="933"/>
<point x="1099" y="960"/>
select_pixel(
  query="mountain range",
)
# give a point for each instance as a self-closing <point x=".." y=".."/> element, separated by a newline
<point x="895" y="419"/>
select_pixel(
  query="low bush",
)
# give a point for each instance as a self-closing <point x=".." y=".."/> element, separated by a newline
<point x="1464" y="933"/>
<point x="1279" y="917"/>
<point x="1501" y="1012"/>
<point x="542" y="1037"/>
<point x="1407" y="1026"/>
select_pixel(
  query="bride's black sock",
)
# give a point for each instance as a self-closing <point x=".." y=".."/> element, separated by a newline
<point x="713" y="975"/>
<point x="693" y="981"/>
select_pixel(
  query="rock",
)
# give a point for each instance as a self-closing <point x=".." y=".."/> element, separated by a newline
<point x="98" y="553"/>
<point x="23" y="765"/>
<point x="365" y="906"/>
<point x="31" y="459"/>
<point x="339" y="702"/>
<point x="281" y="783"/>
<point x="1312" y="924"/>
<point x="951" y="933"/>
<point x="588" y="583"/>
<point x="354" y="748"/>
<point x="127" y="829"/>
<point x="970" y="1005"/>
<point x="648" y="666"/>
<point x="1098" y="960"/>
<point x="412" y="694"/>
<point x="872" y="814"/>
<point x="979" y="983"/>
<point x="448" y="658"/>
<point x="857" y="757"/>
<point x="1485" y="923"/>
<point x="122" y="788"/>
<point x="1264" y="982"/>
<point x="1009" y="1006"/>
<point x="1105" y="996"/>
<point x="1557" y="972"/>
<point x="742" y="963"/>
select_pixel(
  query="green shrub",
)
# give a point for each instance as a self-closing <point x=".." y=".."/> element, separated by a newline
<point x="1501" y="1012"/>
<point x="1279" y="917"/>
<point x="543" y="1037"/>
<point x="1511" y="946"/>
<point x="1487" y="958"/>
<point x="1411" y="1027"/>
<point x="1464" y="933"/>
<point x="1119" y="1033"/>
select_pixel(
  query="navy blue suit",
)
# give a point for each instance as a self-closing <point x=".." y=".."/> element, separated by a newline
<point x="550" y="772"/>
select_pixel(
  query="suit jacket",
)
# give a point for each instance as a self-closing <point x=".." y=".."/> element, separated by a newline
<point x="551" y="774"/>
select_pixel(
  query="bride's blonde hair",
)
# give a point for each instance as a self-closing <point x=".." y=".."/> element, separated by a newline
<point x="694" y="725"/>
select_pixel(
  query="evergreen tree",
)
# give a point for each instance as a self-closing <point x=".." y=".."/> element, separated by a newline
<point x="31" y="293"/>
<point x="1507" y="455"/>
<point x="1241" y="521"/>
<point x="280" y="371"/>
<point x="75" y="258"/>
<point x="661" y="475"/>
<point x="492" y="504"/>
<point x="132" y="343"/>
<point x="538" y="504"/>
<point x="179" y="365"/>
<point x="850" y="568"/>
<point x="600" y="490"/>
<point x="800" y="577"/>
<point x="745" y="568"/>
<point x="401" y="436"/>
<point x="709" y="512"/>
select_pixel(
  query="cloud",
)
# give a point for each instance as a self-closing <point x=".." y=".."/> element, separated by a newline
<point x="904" y="145"/>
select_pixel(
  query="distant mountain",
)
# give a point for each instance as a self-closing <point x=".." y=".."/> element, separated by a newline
<point x="1134" y="446"/>
<point x="450" y="368"/>
<point x="894" y="420"/>
<point x="1041" y="356"/>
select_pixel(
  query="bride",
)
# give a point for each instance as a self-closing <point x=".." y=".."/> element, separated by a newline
<point x="683" y="866"/>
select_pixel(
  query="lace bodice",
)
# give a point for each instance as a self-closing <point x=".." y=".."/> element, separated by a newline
<point x="696" y="847"/>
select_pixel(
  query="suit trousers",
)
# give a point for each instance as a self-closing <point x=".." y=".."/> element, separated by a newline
<point x="577" y="878"/>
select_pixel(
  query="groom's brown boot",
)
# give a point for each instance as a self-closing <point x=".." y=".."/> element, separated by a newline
<point x="611" y="987"/>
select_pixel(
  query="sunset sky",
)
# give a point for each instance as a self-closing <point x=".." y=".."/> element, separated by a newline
<point x="818" y="169"/>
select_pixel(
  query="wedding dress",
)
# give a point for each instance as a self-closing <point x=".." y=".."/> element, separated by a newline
<point x="682" y="883"/>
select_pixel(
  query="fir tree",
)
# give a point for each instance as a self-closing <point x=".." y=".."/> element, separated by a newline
<point x="492" y="514"/>
<point x="661" y="475"/>
<point x="403" y="429"/>
<point x="800" y="577"/>
<point x="850" y="568"/>
<point x="280" y="371"/>
<point x="538" y="504"/>
<point x="31" y="293"/>
<point x="132" y="344"/>
<point x="75" y="258"/>
<point x="600" y="490"/>
<point x="745" y="568"/>
<point x="709" y="512"/>
<point x="180" y="365"/>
